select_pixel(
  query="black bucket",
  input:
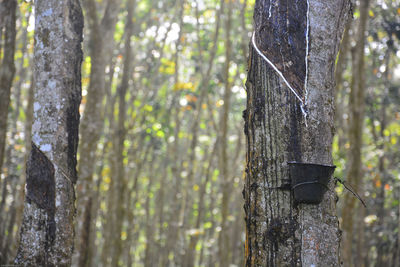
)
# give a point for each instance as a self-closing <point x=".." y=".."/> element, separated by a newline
<point x="309" y="181"/>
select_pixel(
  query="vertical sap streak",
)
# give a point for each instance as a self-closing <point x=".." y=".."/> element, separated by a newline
<point x="304" y="104"/>
<point x="307" y="48"/>
<point x="269" y="10"/>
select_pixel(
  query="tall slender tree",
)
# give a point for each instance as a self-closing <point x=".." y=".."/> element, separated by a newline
<point x="224" y="248"/>
<point x="101" y="46"/>
<point x="120" y="182"/>
<point x="289" y="117"/>
<point x="47" y="233"/>
<point x="356" y="123"/>
<point x="7" y="69"/>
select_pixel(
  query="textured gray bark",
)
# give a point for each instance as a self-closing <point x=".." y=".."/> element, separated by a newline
<point x="47" y="231"/>
<point x="279" y="232"/>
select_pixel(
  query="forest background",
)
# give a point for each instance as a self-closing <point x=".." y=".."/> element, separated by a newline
<point x="162" y="161"/>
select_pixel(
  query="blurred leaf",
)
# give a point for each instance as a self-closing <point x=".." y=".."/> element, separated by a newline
<point x="371" y="13"/>
<point x="183" y="86"/>
<point x="207" y="225"/>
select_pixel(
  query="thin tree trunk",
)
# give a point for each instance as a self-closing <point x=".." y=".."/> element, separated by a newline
<point x="15" y="160"/>
<point x="382" y="257"/>
<point x="356" y="122"/>
<point x="190" y="254"/>
<point x="236" y="230"/>
<point x="7" y="69"/>
<point x="361" y="244"/>
<point x="149" y="259"/>
<point x="132" y="218"/>
<point x="121" y="182"/>
<point x="47" y="233"/>
<point x="224" y="246"/>
<point x="188" y="257"/>
<point x="101" y="45"/>
<point x="13" y="157"/>
<point x="173" y="220"/>
<point x="278" y="231"/>
<point x="107" y="228"/>
<point x="106" y="216"/>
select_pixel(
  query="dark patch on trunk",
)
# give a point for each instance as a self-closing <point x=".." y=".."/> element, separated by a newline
<point x="44" y="36"/>
<point x="282" y="38"/>
<point x="76" y="18"/>
<point x="47" y="62"/>
<point x="246" y="125"/>
<point x="73" y="132"/>
<point x="279" y="230"/>
<point x="40" y="185"/>
<point x="259" y="106"/>
<point x="40" y="180"/>
<point x="75" y="93"/>
<point x="74" y="85"/>
<point x="73" y="117"/>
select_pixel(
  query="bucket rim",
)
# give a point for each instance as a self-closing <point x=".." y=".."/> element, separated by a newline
<point x="307" y="163"/>
<point x="315" y="182"/>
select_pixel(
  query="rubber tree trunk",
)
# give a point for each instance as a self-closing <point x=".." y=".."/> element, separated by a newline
<point x="7" y="71"/>
<point x="280" y="232"/>
<point x="356" y="124"/>
<point x="7" y="67"/>
<point x="47" y="233"/>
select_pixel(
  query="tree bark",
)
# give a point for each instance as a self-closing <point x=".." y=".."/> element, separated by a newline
<point x="7" y="70"/>
<point x="280" y="232"/>
<point x="356" y="122"/>
<point x="47" y="232"/>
